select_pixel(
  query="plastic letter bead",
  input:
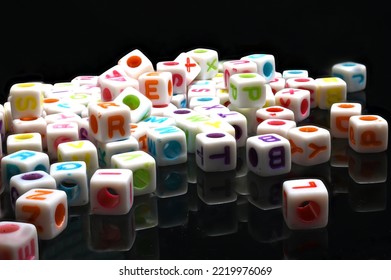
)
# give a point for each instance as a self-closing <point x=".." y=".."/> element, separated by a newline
<point x="18" y="241"/>
<point x="368" y="133"/>
<point x="305" y="204"/>
<point x="111" y="191"/>
<point x="45" y="208"/>
<point x="268" y="154"/>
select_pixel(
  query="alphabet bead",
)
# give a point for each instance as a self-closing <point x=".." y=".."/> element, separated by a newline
<point x="111" y="191"/>
<point x="208" y="61"/>
<point x="18" y="241"/>
<point x="266" y="65"/>
<point x="109" y="121"/>
<point x="46" y="209"/>
<point x="268" y="154"/>
<point x="215" y="151"/>
<point x="247" y="90"/>
<point x="340" y="114"/>
<point x="330" y="90"/>
<point x="143" y="166"/>
<point x="71" y="177"/>
<point x="157" y="87"/>
<point x="167" y="144"/>
<point x="297" y="100"/>
<point x="21" y="183"/>
<point x="81" y="150"/>
<point x="305" y="203"/>
<point x="368" y="133"/>
<point x="26" y="100"/>
<point x="353" y="73"/>
<point x="135" y="63"/>
<point x="178" y="72"/>
<point x="310" y="144"/>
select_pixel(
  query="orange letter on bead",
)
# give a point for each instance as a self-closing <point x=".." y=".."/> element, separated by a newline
<point x="116" y="122"/>
<point x="150" y="89"/>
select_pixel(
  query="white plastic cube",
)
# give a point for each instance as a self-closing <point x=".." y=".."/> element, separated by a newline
<point x="330" y="90"/>
<point x="81" y="150"/>
<point x="157" y="87"/>
<point x="178" y="71"/>
<point x="305" y="83"/>
<point x="26" y="100"/>
<point x="310" y="145"/>
<point x="305" y="204"/>
<point x="167" y="144"/>
<point x="21" y="183"/>
<point x="18" y="241"/>
<point x="266" y="65"/>
<point x="109" y="121"/>
<point x="71" y="177"/>
<point x="46" y="209"/>
<point x="143" y="166"/>
<point x="268" y="154"/>
<point x="208" y="61"/>
<point x="368" y="133"/>
<point x="111" y="191"/>
<point x="340" y="114"/>
<point x="60" y="132"/>
<point x="297" y="100"/>
<point x="135" y="63"/>
<point x="231" y="67"/>
<point x="215" y="151"/>
<point x="353" y="73"/>
<point x="247" y="90"/>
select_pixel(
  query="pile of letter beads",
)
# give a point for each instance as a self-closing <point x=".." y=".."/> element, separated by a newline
<point x="99" y="140"/>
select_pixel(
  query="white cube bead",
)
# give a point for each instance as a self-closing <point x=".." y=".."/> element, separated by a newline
<point x="109" y="121"/>
<point x="140" y="106"/>
<point x="143" y="166"/>
<point x="330" y="90"/>
<point x="135" y="63"/>
<point x="26" y="100"/>
<point x="353" y="73"/>
<point x="111" y="191"/>
<point x="266" y="65"/>
<point x="208" y="60"/>
<point x="340" y="114"/>
<point x="21" y="183"/>
<point x="178" y="72"/>
<point x="305" y="83"/>
<point x="297" y="100"/>
<point x="71" y="177"/>
<point x="107" y="149"/>
<point x="268" y="154"/>
<point x="247" y="90"/>
<point x="81" y="150"/>
<point x="305" y="204"/>
<point x="46" y="209"/>
<point x="368" y="133"/>
<point x="310" y="145"/>
<point x="18" y="241"/>
<point x="167" y="144"/>
<point x="215" y="151"/>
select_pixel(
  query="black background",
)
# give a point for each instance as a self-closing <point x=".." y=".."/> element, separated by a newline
<point x="58" y="40"/>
